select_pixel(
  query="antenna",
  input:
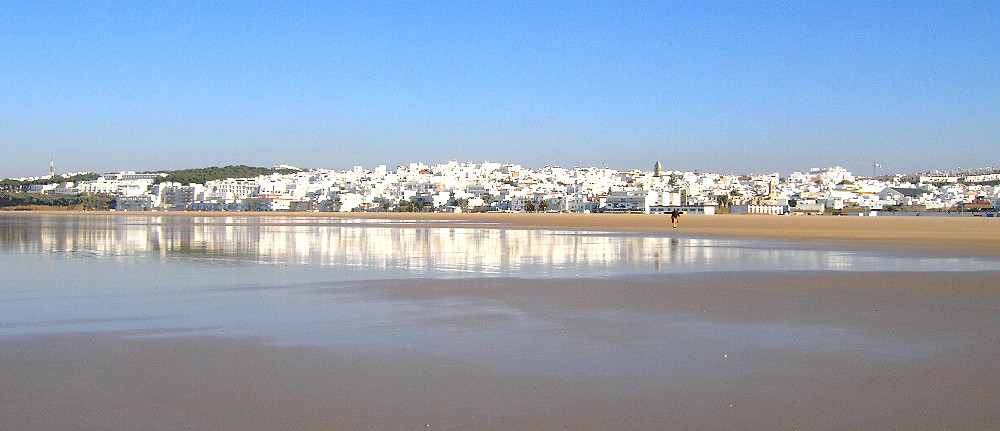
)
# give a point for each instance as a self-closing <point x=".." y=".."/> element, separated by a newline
<point x="52" y="167"/>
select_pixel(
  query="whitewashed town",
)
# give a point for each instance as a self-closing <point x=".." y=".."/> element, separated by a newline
<point x="499" y="187"/>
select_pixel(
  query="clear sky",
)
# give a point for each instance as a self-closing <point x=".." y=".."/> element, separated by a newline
<point x="730" y="87"/>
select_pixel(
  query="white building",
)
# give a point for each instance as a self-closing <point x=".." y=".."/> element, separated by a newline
<point x="266" y="202"/>
<point x="626" y="201"/>
<point x="759" y="209"/>
<point x="350" y="201"/>
<point x="142" y="202"/>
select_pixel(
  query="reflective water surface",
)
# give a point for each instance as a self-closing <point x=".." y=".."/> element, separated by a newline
<point x="259" y="277"/>
<point x="365" y="249"/>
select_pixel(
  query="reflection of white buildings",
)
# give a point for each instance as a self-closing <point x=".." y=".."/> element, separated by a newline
<point x="467" y="250"/>
<point x="376" y="248"/>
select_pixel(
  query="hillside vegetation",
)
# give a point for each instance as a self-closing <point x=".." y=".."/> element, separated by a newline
<point x="203" y="175"/>
<point x="25" y="201"/>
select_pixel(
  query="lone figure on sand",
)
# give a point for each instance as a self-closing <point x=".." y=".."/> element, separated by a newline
<point x="675" y="217"/>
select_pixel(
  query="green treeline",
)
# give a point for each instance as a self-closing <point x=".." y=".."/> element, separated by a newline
<point x="13" y="192"/>
<point x="82" y="202"/>
<point x="183" y="176"/>
<point x="203" y="175"/>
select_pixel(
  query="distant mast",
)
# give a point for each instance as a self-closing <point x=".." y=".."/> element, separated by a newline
<point x="52" y="167"/>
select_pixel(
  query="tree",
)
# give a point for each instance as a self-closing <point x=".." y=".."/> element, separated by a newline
<point x="82" y="202"/>
<point x="11" y="186"/>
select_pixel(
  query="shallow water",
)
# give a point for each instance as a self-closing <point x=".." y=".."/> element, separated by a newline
<point x="315" y="281"/>
<point x="366" y="249"/>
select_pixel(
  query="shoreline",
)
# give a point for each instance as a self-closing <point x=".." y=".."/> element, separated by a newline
<point x="950" y="236"/>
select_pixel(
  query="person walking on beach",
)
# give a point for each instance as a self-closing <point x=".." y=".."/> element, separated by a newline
<point x="675" y="217"/>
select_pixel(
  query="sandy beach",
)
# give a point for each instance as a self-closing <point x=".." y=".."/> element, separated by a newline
<point x="740" y="350"/>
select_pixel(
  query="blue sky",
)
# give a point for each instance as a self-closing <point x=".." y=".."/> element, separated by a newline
<point x="729" y="87"/>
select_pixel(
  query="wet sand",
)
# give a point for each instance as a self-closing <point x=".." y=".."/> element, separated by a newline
<point x="799" y="350"/>
<point x="740" y="350"/>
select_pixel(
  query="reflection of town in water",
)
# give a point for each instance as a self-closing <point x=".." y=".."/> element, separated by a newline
<point x="448" y="250"/>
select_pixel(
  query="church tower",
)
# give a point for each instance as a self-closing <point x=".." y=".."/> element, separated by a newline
<point x="657" y="169"/>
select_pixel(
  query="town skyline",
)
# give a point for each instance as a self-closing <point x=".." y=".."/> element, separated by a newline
<point x="876" y="169"/>
<point x="499" y="187"/>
